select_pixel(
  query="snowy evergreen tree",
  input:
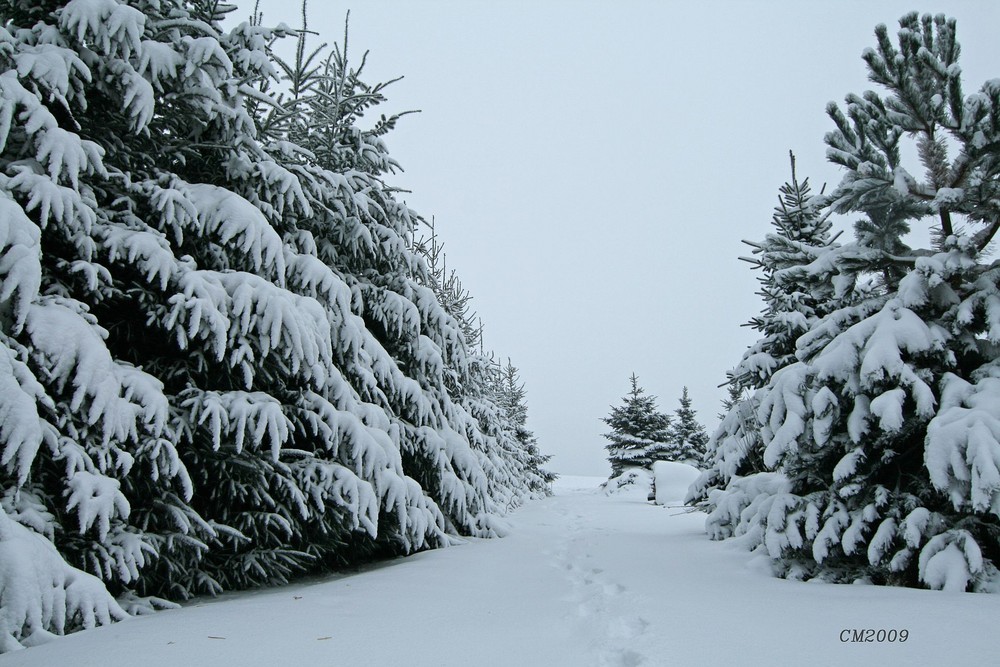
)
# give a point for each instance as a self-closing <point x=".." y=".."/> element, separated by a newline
<point x="638" y="431"/>
<point x="221" y="363"/>
<point x="794" y="298"/>
<point x="686" y="437"/>
<point x="733" y="396"/>
<point x="93" y="428"/>
<point x="447" y="285"/>
<point x="512" y="398"/>
<point x="484" y="390"/>
<point x="882" y="436"/>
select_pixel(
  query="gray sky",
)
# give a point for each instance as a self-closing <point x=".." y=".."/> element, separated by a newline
<point x="592" y="167"/>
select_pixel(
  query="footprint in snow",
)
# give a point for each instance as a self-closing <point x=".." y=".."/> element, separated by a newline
<point x="628" y="627"/>
<point x="622" y="658"/>
<point x="613" y="589"/>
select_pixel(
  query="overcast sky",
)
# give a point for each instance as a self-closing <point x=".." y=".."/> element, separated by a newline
<point x="592" y="167"/>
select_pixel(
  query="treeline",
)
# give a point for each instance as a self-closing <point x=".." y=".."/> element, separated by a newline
<point x="228" y="354"/>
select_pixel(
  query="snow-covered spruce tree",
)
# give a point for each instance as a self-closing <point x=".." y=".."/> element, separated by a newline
<point x="484" y="389"/>
<point x="90" y="437"/>
<point x="638" y="430"/>
<point x="453" y="439"/>
<point x="686" y="437"/>
<point x="317" y="480"/>
<point x="447" y="286"/>
<point x="512" y="398"/>
<point x="795" y="296"/>
<point x="884" y="437"/>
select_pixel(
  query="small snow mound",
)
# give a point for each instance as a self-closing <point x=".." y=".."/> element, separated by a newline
<point x="671" y="480"/>
<point x="637" y="482"/>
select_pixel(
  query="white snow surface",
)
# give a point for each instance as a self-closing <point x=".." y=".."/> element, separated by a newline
<point x="671" y="480"/>
<point x="583" y="579"/>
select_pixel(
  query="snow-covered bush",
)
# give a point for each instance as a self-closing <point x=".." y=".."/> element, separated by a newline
<point x="631" y="483"/>
<point x="878" y="426"/>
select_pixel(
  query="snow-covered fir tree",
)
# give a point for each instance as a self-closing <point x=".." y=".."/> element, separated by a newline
<point x="686" y="437"/>
<point x="881" y="440"/>
<point x="638" y="430"/>
<point x="733" y="396"/>
<point x="794" y="298"/>
<point x="447" y="285"/>
<point x="436" y="401"/>
<point x="488" y="391"/>
<point x="221" y="362"/>
<point x="512" y="397"/>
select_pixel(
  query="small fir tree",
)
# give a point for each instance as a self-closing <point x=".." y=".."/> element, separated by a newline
<point x="638" y="431"/>
<point x="512" y="397"/>
<point x="686" y="437"/>
<point x="793" y="297"/>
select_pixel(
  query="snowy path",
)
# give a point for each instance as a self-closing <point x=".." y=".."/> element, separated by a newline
<point x="583" y="580"/>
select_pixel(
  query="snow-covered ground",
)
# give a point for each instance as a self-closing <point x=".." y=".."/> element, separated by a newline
<point x="584" y="579"/>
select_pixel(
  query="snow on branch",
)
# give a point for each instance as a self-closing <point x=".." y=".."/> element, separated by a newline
<point x="54" y="69"/>
<point x="962" y="450"/>
<point x="41" y="593"/>
<point x="20" y="264"/>
<point x="97" y="500"/>
<point x="159" y="61"/>
<point x="950" y="561"/>
<point x="56" y="203"/>
<point x="292" y="326"/>
<point x="34" y="116"/>
<point x="872" y="351"/>
<point x="240" y="416"/>
<point x="105" y="25"/>
<point x="112" y="394"/>
<point x="148" y="251"/>
<point x="234" y="220"/>
<point x="67" y="155"/>
<point x="22" y="431"/>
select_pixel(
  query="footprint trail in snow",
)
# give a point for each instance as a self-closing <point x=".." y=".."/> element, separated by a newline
<point x="604" y="616"/>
